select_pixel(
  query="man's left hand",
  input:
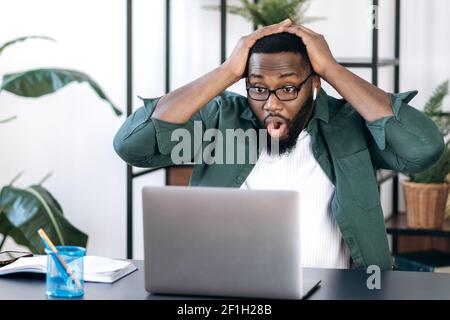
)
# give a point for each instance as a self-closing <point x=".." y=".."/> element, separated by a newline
<point x="369" y="101"/>
<point x="319" y="52"/>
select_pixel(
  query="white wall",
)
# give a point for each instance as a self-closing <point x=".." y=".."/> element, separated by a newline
<point x="70" y="133"/>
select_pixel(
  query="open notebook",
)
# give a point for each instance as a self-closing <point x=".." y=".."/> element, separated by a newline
<point x="96" y="269"/>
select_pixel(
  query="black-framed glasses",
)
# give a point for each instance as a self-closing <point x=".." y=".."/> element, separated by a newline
<point x="285" y="93"/>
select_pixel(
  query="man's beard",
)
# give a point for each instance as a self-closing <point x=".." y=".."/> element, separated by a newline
<point x="294" y="126"/>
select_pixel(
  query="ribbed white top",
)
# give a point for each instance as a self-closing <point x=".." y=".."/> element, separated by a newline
<point x="321" y="241"/>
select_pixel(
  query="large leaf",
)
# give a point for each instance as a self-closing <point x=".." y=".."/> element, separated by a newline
<point x="10" y="43"/>
<point x="24" y="211"/>
<point x="8" y="119"/>
<point x="39" y="82"/>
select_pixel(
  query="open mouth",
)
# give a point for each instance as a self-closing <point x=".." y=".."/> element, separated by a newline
<point x="276" y="127"/>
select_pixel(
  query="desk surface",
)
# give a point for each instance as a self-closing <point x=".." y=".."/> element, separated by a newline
<point x="336" y="284"/>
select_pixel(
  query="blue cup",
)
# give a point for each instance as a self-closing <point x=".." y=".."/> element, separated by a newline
<point x="59" y="282"/>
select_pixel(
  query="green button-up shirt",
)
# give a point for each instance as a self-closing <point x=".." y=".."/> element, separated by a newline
<point x="348" y="149"/>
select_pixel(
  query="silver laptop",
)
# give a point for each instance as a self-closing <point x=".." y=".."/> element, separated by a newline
<point x="223" y="242"/>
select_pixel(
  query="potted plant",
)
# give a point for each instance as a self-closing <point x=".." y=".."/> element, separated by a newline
<point x="25" y="210"/>
<point x="426" y="192"/>
<point x="267" y="12"/>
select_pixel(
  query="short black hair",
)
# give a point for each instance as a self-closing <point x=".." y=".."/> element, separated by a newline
<point x="280" y="42"/>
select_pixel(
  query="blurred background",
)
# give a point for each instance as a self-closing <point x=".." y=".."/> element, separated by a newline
<point x="70" y="132"/>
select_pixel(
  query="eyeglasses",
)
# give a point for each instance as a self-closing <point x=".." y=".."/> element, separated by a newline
<point x="286" y="93"/>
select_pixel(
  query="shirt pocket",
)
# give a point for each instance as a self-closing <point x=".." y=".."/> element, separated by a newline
<point x="360" y="178"/>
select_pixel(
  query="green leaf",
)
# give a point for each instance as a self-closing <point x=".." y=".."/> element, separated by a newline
<point x="433" y="109"/>
<point x="17" y="177"/>
<point x="39" y="82"/>
<point x="434" y="103"/>
<point x="8" y="119"/>
<point x="24" y="211"/>
<point x="10" y="43"/>
<point x="436" y="173"/>
<point x="267" y="12"/>
<point x="259" y="18"/>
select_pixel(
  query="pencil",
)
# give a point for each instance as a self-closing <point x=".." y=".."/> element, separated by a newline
<point x="52" y="247"/>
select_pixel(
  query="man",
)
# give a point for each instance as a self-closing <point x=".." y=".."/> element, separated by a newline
<point x="329" y="148"/>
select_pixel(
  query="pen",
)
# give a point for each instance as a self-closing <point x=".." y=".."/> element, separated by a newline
<point x="59" y="261"/>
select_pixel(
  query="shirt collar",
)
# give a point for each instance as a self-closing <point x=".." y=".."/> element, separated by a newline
<point x="320" y="110"/>
<point x="248" y="114"/>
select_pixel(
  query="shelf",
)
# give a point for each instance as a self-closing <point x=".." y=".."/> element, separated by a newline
<point x="141" y="172"/>
<point x="366" y="62"/>
<point x="396" y="225"/>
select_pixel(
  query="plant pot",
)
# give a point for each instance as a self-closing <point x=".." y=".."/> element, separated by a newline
<point x="425" y="204"/>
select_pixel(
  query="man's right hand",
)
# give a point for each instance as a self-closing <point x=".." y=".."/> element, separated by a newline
<point x="237" y="61"/>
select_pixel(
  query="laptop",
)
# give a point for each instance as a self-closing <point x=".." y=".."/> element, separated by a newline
<point x="223" y="242"/>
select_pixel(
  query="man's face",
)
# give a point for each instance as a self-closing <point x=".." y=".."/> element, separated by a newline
<point x="282" y="119"/>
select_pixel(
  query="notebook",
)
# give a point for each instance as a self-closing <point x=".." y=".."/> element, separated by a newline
<point x="96" y="269"/>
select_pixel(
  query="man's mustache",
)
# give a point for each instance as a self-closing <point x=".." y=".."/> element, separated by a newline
<point x="276" y="115"/>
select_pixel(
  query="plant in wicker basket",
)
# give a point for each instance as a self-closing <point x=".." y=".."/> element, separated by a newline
<point x="426" y="193"/>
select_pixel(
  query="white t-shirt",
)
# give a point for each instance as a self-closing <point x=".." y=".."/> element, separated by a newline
<point x="321" y="241"/>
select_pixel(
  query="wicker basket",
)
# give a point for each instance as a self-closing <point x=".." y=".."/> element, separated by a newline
<point x="425" y="204"/>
